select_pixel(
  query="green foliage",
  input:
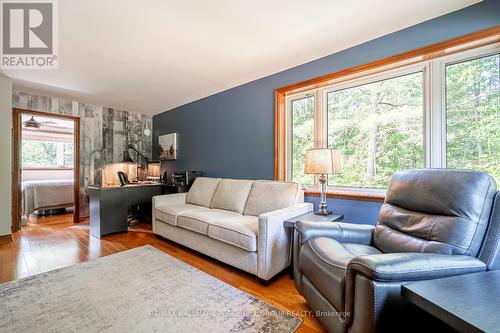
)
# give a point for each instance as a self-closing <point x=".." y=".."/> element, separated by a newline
<point x="473" y="115"/>
<point x="302" y="137"/>
<point x="68" y="155"/>
<point x="379" y="129"/>
<point x="41" y="154"/>
<point x="379" y="126"/>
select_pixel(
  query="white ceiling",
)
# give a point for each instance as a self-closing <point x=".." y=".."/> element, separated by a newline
<point x="151" y="56"/>
<point x="49" y="121"/>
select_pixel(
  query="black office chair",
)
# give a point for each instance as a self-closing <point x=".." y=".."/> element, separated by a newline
<point x="122" y="176"/>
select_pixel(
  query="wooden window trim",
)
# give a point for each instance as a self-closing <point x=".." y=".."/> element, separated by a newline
<point x="444" y="48"/>
<point x="350" y="193"/>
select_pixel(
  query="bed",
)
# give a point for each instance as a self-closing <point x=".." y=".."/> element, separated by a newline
<point x="40" y="195"/>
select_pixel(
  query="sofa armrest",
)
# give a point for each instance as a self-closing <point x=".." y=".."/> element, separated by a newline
<point x="169" y="199"/>
<point x="413" y="266"/>
<point x="273" y="248"/>
<point x="342" y="232"/>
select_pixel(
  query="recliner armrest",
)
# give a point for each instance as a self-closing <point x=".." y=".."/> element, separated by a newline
<point x="413" y="266"/>
<point x="342" y="232"/>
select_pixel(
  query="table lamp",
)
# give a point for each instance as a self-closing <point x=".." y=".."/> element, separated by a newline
<point x="322" y="161"/>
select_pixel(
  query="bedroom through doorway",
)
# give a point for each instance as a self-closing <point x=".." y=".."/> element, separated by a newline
<point x="46" y="167"/>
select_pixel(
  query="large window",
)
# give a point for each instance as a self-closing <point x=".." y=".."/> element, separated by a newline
<point x="379" y="129"/>
<point x="45" y="154"/>
<point x="443" y="112"/>
<point x="473" y="114"/>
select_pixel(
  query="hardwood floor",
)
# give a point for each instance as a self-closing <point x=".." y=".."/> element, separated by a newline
<point x="53" y="242"/>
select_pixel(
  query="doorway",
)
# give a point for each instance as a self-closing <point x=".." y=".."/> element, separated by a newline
<point x="46" y="166"/>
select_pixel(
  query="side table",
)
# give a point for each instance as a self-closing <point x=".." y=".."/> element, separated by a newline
<point x="290" y="223"/>
<point x="468" y="303"/>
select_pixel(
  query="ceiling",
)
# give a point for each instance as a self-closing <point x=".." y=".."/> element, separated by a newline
<point x="52" y="122"/>
<point x="151" y="56"/>
<point x="51" y="129"/>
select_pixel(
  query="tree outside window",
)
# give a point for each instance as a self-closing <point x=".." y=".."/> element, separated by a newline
<point x="443" y="112"/>
<point x="41" y="154"/>
<point x="378" y="127"/>
<point x="473" y="115"/>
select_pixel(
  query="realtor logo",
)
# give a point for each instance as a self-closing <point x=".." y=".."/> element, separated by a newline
<point x="28" y="34"/>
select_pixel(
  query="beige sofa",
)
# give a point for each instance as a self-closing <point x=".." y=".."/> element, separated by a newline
<point x="239" y="222"/>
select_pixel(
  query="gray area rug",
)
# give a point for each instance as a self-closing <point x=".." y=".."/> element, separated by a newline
<point x="140" y="290"/>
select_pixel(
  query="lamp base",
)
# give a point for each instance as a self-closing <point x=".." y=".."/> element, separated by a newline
<point x="323" y="212"/>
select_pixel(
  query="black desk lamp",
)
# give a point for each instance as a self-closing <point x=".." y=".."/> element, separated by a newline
<point x="126" y="158"/>
<point x="141" y="159"/>
<point x="145" y="159"/>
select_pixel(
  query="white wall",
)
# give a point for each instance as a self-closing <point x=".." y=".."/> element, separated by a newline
<point x="5" y="155"/>
<point x="32" y="174"/>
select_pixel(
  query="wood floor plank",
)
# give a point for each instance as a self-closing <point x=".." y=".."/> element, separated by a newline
<point x="55" y="241"/>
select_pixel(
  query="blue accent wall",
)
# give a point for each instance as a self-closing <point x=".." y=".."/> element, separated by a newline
<point x="354" y="211"/>
<point x="231" y="134"/>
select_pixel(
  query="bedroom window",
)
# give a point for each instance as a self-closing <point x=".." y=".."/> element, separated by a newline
<point x="441" y="112"/>
<point x="47" y="154"/>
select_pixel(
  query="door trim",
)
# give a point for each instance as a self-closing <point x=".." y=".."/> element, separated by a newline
<point x="16" y="170"/>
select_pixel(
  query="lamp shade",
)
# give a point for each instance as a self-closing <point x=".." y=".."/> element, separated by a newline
<point x="318" y="161"/>
<point x="336" y="161"/>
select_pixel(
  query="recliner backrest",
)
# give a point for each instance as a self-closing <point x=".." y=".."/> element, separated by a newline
<point x="442" y="211"/>
<point x="490" y="250"/>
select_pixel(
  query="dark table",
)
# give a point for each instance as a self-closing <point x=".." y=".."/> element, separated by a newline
<point x="109" y="206"/>
<point x="290" y="223"/>
<point x="468" y="303"/>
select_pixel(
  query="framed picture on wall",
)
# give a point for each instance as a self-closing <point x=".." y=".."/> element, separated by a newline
<point x="168" y="147"/>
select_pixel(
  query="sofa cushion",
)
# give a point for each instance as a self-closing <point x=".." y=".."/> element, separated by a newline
<point x="232" y="194"/>
<point x="198" y="221"/>
<point x="267" y="196"/>
<point x="169" y="214"/>
<point x="239" y="231"/>
<point x="324" y="262"/>
<point x="202" y="191"/>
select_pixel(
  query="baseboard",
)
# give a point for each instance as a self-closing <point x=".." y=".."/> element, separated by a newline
<point x="5" y="239"/>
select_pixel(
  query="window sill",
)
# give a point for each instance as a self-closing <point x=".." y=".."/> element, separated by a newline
<point x="349" y="193"/>
<point x="46" y="168"/>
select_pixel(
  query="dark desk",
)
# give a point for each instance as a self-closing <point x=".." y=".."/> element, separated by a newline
<point x="168" y="189"/>
<point x="468" y="303"/>
<point x="109" y="205"/>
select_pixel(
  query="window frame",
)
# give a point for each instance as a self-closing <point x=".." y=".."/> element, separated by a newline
<point x="431" y="64"/>
<point x="60" y="145"/>
<point x="289" y="128"/>
<point x="320" y="124"/>
<point x="453" y="59"/>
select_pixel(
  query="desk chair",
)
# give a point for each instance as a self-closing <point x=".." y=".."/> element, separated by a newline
<point x="122" y="176"/>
